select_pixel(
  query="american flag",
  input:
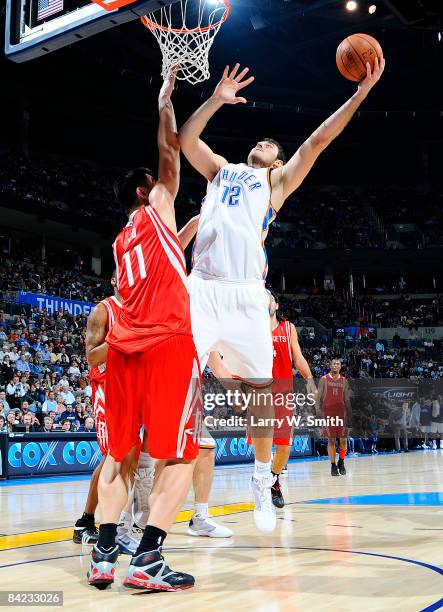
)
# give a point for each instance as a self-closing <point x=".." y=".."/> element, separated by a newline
<point x="48" y="7"/>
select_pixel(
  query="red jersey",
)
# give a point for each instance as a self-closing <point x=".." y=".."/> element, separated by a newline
<point x="334" y="392"/>
<point x="151" y="278"/>
<point x="281" y="341"/>
<point x="113" y="308"/>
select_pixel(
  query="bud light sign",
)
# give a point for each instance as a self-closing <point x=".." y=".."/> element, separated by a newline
<point x="39" y="458"/>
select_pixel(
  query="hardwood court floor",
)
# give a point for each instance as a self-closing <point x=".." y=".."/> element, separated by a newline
<point x="372" y="540"/>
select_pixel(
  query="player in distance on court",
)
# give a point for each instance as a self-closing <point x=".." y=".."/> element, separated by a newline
<point x="334" y="403"/>
<point x="230" y="263"/>
<point x="153" y="376"/>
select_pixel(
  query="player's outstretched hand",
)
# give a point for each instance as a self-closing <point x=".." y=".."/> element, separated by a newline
<point x="372" y="76"/>
<point x="231" y="83"/>
<point x="167" y="87"/>
<point x="311" y="387"/>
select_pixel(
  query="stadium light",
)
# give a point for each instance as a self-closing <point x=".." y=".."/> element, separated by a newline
<point x="372" y="8"/>
<point x="351" y="5"/>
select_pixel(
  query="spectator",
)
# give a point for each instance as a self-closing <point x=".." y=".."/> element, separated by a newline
<point x="67" y="395"/>
<point x="15" y="390"/>
<point x="11" y="422"/>
<point x="3" y="427"/>
<point x="66" y="425"/>
<point x="89" y="425"/>
<point x="48" y="424"/>
<point x="69" y="415"/>
<point x="50" y="403"/>
<point x="30" y="423"/>
<point x="6" y="408"/>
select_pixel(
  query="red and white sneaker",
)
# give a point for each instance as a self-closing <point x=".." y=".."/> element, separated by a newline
<point x="149" y="571"/>
<point x="102" y="567"/>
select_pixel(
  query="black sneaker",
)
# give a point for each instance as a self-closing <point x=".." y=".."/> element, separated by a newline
<point x="85" y="533"/>
<point x="102" y="567"/>
<point x="341" y="467"/>
<point x="277" y="495"/>
<point x="149" y="571"/>
<point x="334" y="469"/>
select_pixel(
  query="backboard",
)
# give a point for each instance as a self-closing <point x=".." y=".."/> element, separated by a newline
<point x="37" y="27"/>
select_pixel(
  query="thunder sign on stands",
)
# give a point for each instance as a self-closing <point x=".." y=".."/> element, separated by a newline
<point x="54" y="304"/>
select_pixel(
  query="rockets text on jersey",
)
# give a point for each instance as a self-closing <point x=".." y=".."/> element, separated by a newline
<point x="281" y="341"/>
<point x="151" y="278"/>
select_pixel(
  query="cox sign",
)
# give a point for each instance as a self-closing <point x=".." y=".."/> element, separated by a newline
<point x="52" y="457"/>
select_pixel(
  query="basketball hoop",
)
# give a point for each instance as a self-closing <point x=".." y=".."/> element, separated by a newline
<point x="185" y="46"/>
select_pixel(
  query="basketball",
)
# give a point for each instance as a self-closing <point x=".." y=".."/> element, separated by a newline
<point x="353" y="53"/>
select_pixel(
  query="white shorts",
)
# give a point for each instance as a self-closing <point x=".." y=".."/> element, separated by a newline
<point x="233" y="318"/>
<point x="436" y="427"/>
<point x="425" y="428"/>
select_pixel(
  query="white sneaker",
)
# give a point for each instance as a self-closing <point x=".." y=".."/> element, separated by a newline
<point x="264" y="512"/>
<point x="434" y="445"/>
<point x="128" y="539"/>
<point x="143" y="483"/>
<point x="204" y="526"/>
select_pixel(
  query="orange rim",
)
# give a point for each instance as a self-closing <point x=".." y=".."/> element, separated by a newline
<point x="152" y="25"/>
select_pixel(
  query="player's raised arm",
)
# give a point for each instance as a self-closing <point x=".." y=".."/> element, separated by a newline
<point x="96" y="347"/>
<point x="188" y="231"/>
<point x="300" y="362"/>
<point x="287" y="179"/>
<point x="168" y="146"/>
<point x="197" y="152"/>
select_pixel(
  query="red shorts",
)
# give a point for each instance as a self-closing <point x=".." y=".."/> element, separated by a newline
<point x="98" y="403"/>
<point x="335" y="430"/>
<point x="159" y="389"/>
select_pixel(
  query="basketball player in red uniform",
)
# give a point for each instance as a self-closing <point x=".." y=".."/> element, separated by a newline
<point x="135" y="514"/>
<point x="100" y="321"/>
<point x="287" y="354"/>
<point x="153" y="372"/>
<point x="334" y="403"/>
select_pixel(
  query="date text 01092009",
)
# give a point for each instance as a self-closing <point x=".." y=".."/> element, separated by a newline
<point x="31" y="598"/>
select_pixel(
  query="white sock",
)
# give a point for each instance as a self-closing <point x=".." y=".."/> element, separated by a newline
<point x="146" y="461"/>
<point x="261" y="468"/>
<point x="201" y="510"/>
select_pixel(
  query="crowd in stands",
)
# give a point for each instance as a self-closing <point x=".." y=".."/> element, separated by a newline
<point x="44" y="380"/>
<point x="48" y="280"/>
<point x="334" y="217"/>
<point x="335" y="311"/>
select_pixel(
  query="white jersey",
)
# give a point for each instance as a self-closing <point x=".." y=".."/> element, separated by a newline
<point x="234" y="223"/>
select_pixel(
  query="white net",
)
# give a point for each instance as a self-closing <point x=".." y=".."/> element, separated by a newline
<point x="185" y="35"/>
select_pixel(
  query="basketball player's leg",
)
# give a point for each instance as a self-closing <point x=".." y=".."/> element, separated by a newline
<point x="172" y="418"/>
<point x="281" y="457"/>
<point x="248" y="352"/>
<point x="135" y="514"/>
<point x="123" y="422"/>
<point x="205" y="332"/>
<point x="342" y="449"/>
<point x="201" y="524"/>
<point x="332" y="452"/>
<point x="85" y="531"/>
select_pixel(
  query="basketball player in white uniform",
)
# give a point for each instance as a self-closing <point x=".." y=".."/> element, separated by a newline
<point x="229" y="303"/>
